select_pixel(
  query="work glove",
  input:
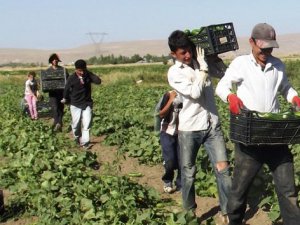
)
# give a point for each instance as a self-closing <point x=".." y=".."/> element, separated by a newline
<point x="63" y="101"/>
<point x="203" y="70"/>
<point x="235" y="104"/>
<point x="296" y="102"/>
<point x="201" y="59"/>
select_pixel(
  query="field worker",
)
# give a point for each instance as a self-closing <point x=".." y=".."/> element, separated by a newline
<point x="31" y="90"/>
<point x="169" y="109"/>
<point x="258" y="77"/>
<point x="78" y="92"/>
<point x="198" y="119"/>
<point x="55" y="96"/>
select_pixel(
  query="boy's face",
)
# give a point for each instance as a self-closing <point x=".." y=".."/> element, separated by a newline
<point x="183" y="55"/>
<point x="80" y="72"/>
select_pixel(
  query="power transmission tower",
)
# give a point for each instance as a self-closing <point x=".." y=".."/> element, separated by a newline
<point x="97" y="39"/>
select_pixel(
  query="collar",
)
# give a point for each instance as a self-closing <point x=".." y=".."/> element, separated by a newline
<point x="270" y="62"/>
<point x="182" y="65"/>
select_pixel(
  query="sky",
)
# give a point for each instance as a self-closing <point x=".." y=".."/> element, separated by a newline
<point x="64" y="24"/>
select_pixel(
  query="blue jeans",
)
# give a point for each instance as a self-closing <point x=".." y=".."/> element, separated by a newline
<point x="190" y="142"/>
<point x="81" y="123"/>
<point x="171" y="157"/>
<point x="248" y="162"/>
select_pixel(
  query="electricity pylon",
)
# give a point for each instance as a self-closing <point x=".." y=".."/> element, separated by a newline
<point x="97" y="39"/>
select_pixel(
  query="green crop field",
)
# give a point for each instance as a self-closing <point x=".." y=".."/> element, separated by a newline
<point x="48" y="179"/>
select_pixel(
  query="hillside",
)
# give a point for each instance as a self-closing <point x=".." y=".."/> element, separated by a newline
<point x="289" y="46"/>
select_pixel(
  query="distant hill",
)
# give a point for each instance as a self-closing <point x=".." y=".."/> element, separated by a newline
<point x="289" y="46"/>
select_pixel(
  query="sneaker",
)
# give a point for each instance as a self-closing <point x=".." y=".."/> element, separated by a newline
<point x="95" y="165"/>
<point x="87" y="146"/>
<point x="168" y="188"/>
<point x="57" y="128"/>
<point x="222" y="219"/>
<point x="178" y="189"/>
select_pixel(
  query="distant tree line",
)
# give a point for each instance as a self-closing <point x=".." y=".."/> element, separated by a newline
<point x="14" y="65"/>
<point x="103" y="60"/>
<point x="111" y="59"/>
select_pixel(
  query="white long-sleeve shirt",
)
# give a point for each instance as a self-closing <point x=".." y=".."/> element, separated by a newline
<point x="256" y="87"/>
<point x="198" y="103"/>
<point x="28" y="85"/>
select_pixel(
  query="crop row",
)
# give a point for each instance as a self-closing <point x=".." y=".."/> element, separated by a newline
<point x="48" y="179"/>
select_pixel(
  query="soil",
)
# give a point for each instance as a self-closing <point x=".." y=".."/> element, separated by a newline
<point x="110" y="161"/>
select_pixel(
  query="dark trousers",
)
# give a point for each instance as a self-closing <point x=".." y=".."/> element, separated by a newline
<point x="248" y="162"/>
<point x="57" y="110"/>
<point x="170" y="154"/>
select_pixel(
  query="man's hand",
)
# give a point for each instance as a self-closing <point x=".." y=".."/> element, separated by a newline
<point x="173" y="94"/>
<point x="296" y="102"/>
<point x="235" y="104"/>
<point x="201" y="59"/>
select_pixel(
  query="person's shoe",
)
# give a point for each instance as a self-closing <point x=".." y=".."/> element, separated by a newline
<point x="178" y="189"/>
<point x="95" y="165"/>
<point x="87" y="146"/>
<point x="168" y="188"/>
<point x="222" y="219"/>
<point x="57" y="128"/>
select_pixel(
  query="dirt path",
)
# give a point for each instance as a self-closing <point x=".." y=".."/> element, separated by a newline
<point x="207" y="207"/>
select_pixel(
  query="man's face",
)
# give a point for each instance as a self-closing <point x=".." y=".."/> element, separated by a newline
<point x="183" y="55"/>
<point x="260" y="54"/>
<point x="79" y="72"/>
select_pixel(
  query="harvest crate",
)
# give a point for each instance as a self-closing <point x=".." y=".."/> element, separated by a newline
<point x="216" y="39"/>
<point x="53" y="80"/>
<point x="44" y="108"/>
<point x="249" y="129"/>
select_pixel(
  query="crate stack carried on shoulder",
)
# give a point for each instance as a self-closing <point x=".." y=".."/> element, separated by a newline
<point x="52" y="80"/>
<point x="215" y="39"/>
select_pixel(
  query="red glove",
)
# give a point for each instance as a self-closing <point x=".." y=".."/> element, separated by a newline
<point x="296" y="101"/>
<point x="235" y="104"/>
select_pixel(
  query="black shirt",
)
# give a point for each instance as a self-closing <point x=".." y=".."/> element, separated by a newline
<point x="80" y="95"/>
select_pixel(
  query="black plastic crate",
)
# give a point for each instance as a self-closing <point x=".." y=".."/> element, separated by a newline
<point x="44" y="108"/>
<point x="216" y="39"/>
<point x="250" y="129"/>
<point x="53" y="80"/>
<point x="50" y="85"/>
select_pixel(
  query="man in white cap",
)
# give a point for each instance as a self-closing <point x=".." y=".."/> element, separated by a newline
<point x="259" y="77"/>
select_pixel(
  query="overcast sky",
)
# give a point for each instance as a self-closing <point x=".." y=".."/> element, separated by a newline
<point x="59" y="24"/>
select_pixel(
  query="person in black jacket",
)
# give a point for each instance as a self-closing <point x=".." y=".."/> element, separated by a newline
<point x="78" y="93"/>
<point x="55" y="96"/>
